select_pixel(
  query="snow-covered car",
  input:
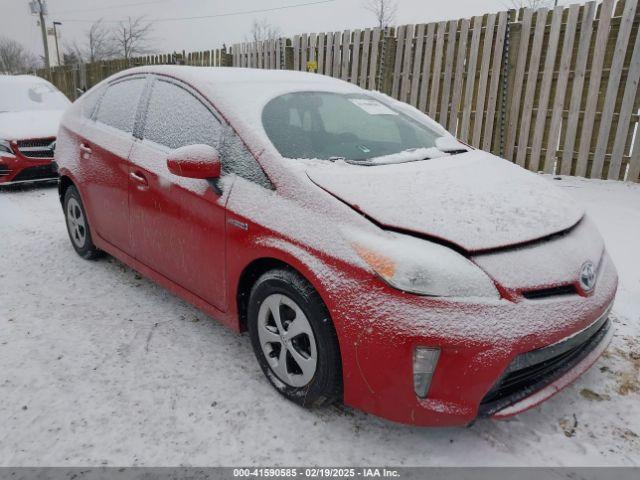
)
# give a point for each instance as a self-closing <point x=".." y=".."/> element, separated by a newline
<point x="372" y="257"/>
<point x="30" y="112"/>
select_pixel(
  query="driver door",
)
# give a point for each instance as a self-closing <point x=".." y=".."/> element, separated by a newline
<point x="177" y="223"/>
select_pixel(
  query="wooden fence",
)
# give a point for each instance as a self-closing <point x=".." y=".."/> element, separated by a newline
<point x="552" y="90"/>
<point x="72" y="80"/>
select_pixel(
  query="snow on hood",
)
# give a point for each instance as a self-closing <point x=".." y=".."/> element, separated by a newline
<point x="475" y="200"/>
<point x="29" y="124"/>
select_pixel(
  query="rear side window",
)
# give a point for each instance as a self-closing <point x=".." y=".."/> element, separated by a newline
<point x="176" y="118"/>
<point x="119" y="104"/>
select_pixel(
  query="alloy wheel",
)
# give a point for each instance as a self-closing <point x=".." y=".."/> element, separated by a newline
<point x="76" y="223"/>
<point x="287" y="340"/>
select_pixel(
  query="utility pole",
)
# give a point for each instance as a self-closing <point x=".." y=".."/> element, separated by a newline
<point x="55" y="35"/>
<point x="43" y="28"/>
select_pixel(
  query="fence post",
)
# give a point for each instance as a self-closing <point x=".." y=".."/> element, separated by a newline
<point x="82" y="77"/>
<point x="507" y="78"/>
<point x="511" y="51"/>
<point x="288" y="54"/>
<point x="226" y="58"/>
<point x="386" y="61"/>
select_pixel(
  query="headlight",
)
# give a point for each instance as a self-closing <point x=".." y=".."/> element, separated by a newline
<point x="5" y="147"/>
<point x="421" y="267"/>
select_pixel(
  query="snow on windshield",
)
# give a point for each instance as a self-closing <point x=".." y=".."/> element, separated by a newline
<point x="20" y="94"/>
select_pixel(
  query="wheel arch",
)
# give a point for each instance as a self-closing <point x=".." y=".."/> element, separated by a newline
<point x="64" y="182"/>
<point x="248" y="278"/>
<point x="274" y="258"/>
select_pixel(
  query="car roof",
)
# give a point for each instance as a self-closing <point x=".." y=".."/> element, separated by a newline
<point x="230" y="75"/>
<point x="246" y="86"/>
<point x="241" y="93"/>
<point x="21" y="79"/>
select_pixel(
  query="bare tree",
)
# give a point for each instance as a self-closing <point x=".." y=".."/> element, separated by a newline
<point x="130" y="37"/>
<point x="100" y="44"/>
<point x="263" y="30"/>
<point x="384" y="10"/>
<point x="71" y="55"/>
<point x="14" y="58"/>
<point x="535" y="4"/>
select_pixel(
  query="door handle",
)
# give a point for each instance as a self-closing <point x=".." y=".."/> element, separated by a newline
<point x="85" y="149"/>
<point x="139" y="178"/>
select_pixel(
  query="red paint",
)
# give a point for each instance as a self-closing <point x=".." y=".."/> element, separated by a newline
<point x="181" y="165"/>
<point x="179" y="233"/>
<point x="18" y="162"/>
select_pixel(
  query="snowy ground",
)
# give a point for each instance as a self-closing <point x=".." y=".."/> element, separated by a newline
<point x="99" y="366"/>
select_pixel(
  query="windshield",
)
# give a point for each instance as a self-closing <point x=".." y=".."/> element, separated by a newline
<point x="356" y="127"/>
<point x="19" y="95"/>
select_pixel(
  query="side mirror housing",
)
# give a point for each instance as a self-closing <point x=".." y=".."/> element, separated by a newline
<point x="450" y="144"/>
<point x="195" y="161"/>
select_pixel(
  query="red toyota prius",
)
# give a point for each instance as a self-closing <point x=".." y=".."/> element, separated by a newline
<point x="373" y="259"/>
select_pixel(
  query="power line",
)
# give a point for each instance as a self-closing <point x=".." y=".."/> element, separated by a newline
<point x="201" y="17"/>
<point x="124" y="5"/>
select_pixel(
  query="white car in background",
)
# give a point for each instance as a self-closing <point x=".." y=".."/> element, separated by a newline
<point x="30" y="112"/>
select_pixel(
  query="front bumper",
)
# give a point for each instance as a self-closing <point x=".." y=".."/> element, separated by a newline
<point x="534" y="376"/>
<point x="19" y="168"/>
<point x="481" y="345"/>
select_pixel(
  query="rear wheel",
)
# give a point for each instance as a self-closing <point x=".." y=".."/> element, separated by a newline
<point x="78" y="225"/>
<point x="294" y="340"/>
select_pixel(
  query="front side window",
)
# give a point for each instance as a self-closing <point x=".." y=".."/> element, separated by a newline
<point x="236" y="158"/>
<point x="325" y="125"/>
<point x="176" y="118"/>
<point x="119" y="104"/>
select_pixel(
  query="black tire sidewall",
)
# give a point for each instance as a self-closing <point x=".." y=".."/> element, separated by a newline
<point x="326" y="385"/>
<point x="88" y="250"/>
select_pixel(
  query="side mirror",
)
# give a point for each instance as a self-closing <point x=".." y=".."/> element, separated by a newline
<point x="195" y="161"/>
<point x="450" y="144"/>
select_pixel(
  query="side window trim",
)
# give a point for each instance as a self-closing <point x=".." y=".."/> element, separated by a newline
<point x="143" y="107"/>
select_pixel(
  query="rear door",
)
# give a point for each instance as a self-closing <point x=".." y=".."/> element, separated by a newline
<point x="104" y="165"/>
<point x="177" y="224"/>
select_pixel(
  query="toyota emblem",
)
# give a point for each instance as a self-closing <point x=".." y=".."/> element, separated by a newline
<point x="588" y="276"/>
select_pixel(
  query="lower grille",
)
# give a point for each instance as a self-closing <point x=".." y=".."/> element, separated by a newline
<point x="532" y="371"/>
<point x="38" y="148"/>
<point x="4" y="171"/>
<point x="550" y="292"/>
<point x="41" y="172"/>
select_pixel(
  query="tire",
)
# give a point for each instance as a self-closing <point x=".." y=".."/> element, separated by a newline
<point x="290" y="371"/>
<point x="78" y="225"/>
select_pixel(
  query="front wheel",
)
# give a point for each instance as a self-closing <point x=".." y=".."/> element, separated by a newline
<point x="294" y="340"/>
<point x="78" y="225"/>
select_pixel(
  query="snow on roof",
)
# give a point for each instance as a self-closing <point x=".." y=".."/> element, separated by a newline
<point x="241" y="93"/>
<point x="13" y="79"/>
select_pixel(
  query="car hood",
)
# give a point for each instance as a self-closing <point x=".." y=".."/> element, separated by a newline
<point x="474" y="200"/>
<point x="29" y="124"/>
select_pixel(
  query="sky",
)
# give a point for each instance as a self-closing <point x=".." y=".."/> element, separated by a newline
<point x="208" y="33"/>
